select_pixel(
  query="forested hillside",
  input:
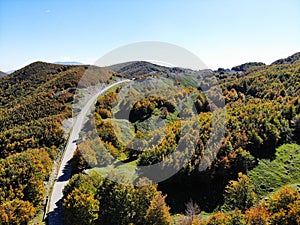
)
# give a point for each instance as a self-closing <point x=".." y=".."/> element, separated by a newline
<point x="34" y="101"/>
<point x="263" y="113"/>
<point x="252" y="180"/>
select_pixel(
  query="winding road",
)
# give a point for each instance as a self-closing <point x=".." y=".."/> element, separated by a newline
<point x="55" y="216"/>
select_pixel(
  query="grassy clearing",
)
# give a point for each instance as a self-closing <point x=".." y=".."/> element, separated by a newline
<point x="268" y="176"/>
<point x="124" y="130"/>
<point x="126" y="169"/>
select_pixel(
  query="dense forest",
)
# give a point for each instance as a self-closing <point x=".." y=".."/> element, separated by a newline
<point x="254" y="178"/>
<point x="34" y="101"/>
<point x="255" y="160"/>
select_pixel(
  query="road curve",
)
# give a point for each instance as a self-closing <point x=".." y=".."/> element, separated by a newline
<point x="55" y="216"/>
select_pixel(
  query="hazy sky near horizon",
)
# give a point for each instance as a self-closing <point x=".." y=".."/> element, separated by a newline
<point x="222" y="33"/>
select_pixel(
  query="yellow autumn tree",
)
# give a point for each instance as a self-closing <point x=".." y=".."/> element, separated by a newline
<point x="257" y="215"/>
<point x="284" y="206"/>
<point x="16" y="212"/>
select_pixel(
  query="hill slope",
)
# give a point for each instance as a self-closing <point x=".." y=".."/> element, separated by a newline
<point x="263" y="112"/>
<point x="291" y="59"/>
<point x="33" y="103"/>
<point x="2" y="74"/>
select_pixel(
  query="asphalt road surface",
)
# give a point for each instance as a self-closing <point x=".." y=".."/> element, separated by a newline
<point x="55" y="216"/>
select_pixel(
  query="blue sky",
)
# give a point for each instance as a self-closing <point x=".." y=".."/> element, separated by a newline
<point x="223" y="33"/>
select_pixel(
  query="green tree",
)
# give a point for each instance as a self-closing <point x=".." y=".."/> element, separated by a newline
<point x="79" y="162"/>
<point x="158" y="212"/>
<point x="80" y="208"/>
<point x="145" y="193"/>
<point x="239" y="194"/>
<point x="117" y="203"/>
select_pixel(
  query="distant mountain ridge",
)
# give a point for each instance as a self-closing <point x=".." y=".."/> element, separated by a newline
<point x="10" y="71"/>
<point x="142" y="67"/>
<point x="135" y="68"/>
<point x="2" y="74"/>
<point x="291" y="59"/>
<point x="245" y="66"/>
<point x="72" y="63"/>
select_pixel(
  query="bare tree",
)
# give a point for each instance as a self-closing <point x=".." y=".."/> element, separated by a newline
<point x="191" y="213"/>
<point x="192" y="209"/>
